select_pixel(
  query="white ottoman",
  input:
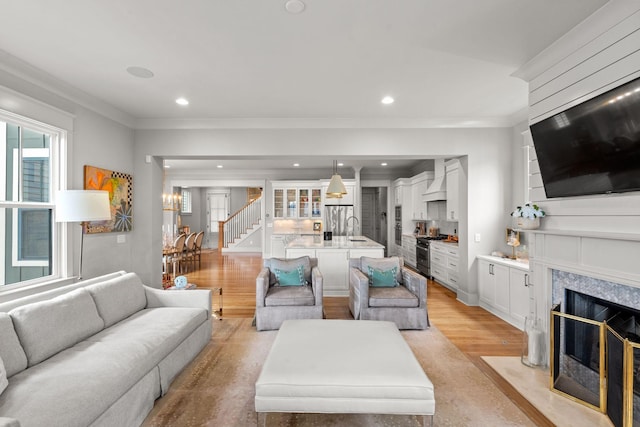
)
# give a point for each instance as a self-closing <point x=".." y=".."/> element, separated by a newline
<point x="342" y="366"/>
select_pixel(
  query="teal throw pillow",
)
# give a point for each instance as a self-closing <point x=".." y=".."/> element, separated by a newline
<point x="291" y="278"/>
<point x="383" y="278"/>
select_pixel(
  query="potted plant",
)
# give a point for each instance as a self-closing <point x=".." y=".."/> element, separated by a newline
<point x="528" y="216"/>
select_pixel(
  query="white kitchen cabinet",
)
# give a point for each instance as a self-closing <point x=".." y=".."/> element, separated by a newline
<point x="501" y="275"/>
<point x="334" y="266"/>
<point x="296" y="200"/>
<point x="452" y="168"/>
<point x="503" y="286"/>
<point x="372" y="253"/>
<point x="519" y="294"/>
<point x="486" y="283"/>
<point x="333" y="263"/>
<point x="278" y="242"/>
<point x="419" y="185"/>
<point x="298" y="252"/>
<point x="409" y="250"/>
<point x="444" y="264"/>
<point x="403" y="196"/>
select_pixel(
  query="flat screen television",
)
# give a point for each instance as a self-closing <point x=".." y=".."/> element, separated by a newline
<point x="593" y="147"/>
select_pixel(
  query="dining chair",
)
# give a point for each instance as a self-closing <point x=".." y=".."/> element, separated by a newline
<point x="198" y="249"/>
<point x="189" y="254"/>
<point x="178" y="253"/>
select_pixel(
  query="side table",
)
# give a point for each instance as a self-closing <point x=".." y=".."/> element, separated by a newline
<point x="215" y="291"/>
<point x="217" y="313"/>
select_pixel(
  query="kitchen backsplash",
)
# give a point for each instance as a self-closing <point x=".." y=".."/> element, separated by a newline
<point x="295" y="226"/>
<point x="446" y="227"/>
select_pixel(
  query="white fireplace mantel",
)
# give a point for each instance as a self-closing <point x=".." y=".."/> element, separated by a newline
<point x="613" y="257"/>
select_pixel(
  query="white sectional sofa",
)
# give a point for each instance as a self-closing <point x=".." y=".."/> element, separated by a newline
<point x="98" y="352"/>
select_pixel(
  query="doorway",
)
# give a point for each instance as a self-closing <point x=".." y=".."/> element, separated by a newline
<point x="217" y="210"/>
<point x="374" y="214"/>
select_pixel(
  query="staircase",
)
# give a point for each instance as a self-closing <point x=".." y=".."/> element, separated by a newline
<point x="240" y="232"/>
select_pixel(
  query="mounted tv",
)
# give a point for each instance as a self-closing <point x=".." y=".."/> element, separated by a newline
<point x="592" y="148"/>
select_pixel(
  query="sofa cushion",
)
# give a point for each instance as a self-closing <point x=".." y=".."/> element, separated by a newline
<point x="11" y="351"/>
<point x="294" y="277"/>
<point x="48" y="327"/>
<point x="383" y="278"/>
<point x="3" y="377"/>
<point x="398" y="296"/>
<point x="382" y="264"/>
<point x="118" y="298"/>
<point x="85" y="380"/>
<point x="279" y="296"/>
<point x="288" y="265"/>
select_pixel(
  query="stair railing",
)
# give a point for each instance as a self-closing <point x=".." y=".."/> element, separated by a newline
<point x="238" y="223"/>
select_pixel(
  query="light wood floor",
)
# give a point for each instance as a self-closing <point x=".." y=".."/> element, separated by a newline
<point x="473" y="330"/>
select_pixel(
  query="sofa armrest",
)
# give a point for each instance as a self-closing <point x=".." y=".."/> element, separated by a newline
<point x="416" y="283"/>
<point x="360" y="282"/>
<point x="196" y="298"/>
<point x="262" y="286"/>
<point x="317" y="285"/>
<point x="9" y="422"/>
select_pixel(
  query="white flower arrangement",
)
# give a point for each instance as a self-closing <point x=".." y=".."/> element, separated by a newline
<point x="529" y="210"/>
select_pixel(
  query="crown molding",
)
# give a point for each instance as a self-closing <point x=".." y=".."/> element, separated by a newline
<point x="322" y="123"/>
<point x="38" y="84"/>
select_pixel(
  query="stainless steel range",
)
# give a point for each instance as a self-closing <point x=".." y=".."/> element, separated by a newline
<point x="422" y="254"/>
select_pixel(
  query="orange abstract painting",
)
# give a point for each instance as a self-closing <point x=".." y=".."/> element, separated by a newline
<point x="119" y="185"/>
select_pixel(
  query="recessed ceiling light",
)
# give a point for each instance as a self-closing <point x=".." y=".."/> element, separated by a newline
<point x="182" y="101"/>
<point x="294" y="6"/>
<point x="141" y="72"/>
<point x="296" y="165"/>
<point x="383" y="164"/>
<point x="387" y="100"/>
<point x="219" y="166"/>
<point x="341" y="164"/>
<point x="167" y="166"/>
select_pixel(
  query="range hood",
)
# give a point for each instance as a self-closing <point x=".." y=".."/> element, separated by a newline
<point x="437" y="189"/>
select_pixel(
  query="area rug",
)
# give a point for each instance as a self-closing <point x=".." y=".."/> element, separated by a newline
<point x="217" y="388"/>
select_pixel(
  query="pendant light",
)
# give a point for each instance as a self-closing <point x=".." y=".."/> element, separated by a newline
<point x="336" y="187"/>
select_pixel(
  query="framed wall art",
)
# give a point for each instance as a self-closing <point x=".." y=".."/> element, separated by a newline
<point x="120" y="188"/>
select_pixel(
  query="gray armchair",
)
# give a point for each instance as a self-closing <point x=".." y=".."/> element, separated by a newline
<point x="404" y="304"/>
<point x="276" y="303"/>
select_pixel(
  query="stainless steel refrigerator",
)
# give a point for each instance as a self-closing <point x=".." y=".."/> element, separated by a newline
<point x="335" y="219"/>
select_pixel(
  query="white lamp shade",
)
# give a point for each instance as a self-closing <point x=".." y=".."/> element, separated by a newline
<point x="336" y="187"/>
<point x="82" y="205"/>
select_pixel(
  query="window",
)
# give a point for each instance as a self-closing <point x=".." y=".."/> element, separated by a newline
<point x="29" y="152"/>
<point x="186" y="201"/>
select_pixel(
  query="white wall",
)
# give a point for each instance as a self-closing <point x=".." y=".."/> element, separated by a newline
<point x="596" y="56"/>
<point x="488" y="170"/>
<point x="92" y="139"/>
<point x="106" y="144"/>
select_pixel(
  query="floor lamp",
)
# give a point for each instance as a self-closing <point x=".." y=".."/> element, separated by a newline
<point x="82" y="206"/>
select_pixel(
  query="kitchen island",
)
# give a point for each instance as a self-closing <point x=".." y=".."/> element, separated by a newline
<point x="333" y="257"/>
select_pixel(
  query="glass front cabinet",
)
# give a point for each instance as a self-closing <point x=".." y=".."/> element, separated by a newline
<point x="297" y="202"/>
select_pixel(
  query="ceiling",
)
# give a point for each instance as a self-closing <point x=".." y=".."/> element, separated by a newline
<point x="442" y="60"/>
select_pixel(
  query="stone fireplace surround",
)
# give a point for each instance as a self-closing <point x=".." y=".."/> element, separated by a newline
<point x="602" y="264"/>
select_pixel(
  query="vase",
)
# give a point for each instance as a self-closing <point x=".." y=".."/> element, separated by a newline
<point x="527" y="223"/>
<point x="533" y="347"/>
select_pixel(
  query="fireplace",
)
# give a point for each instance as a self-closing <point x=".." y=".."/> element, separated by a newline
<point x="595" y="351"/>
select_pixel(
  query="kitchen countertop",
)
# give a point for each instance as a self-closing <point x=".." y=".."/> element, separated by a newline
<point x="522" y="265"/>
<point x="338" y="242"/>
